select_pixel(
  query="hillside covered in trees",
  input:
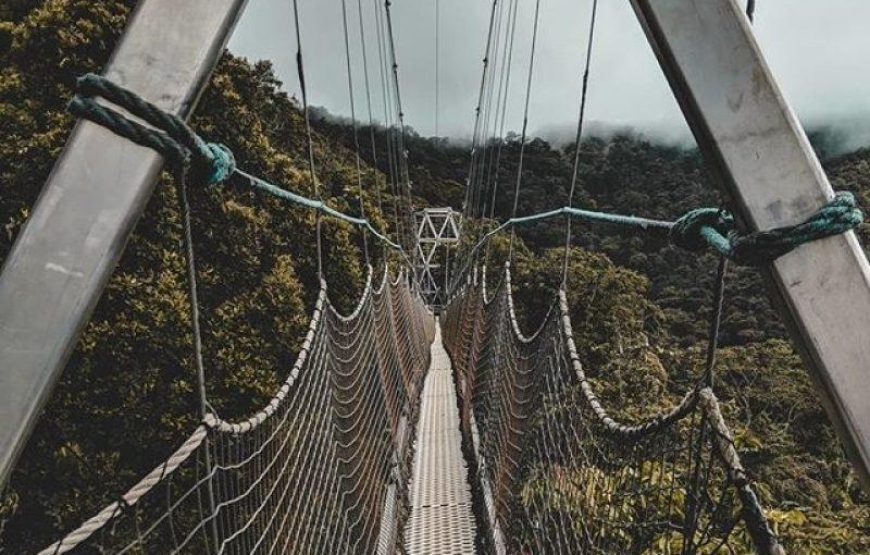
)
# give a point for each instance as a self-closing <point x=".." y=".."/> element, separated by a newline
<point x="639" y="307"/>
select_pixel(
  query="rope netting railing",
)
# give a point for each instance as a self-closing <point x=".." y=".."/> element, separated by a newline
<point x="561" y="475"/>
<point x="322" y="468"/>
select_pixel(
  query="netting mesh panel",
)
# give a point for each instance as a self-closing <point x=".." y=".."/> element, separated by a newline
<point x="311" y="473"/>
<point x="567" y="478"/>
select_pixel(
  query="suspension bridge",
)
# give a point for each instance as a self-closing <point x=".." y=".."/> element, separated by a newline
<point x="399" y="430"/>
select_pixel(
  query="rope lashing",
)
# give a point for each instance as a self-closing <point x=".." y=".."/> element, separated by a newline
<point x="704" y="227"/>
<point x="213" y="163"/>
<point x="169" y="135"/>
<point x="712" y="227"/>
<point x="191" y="157"/>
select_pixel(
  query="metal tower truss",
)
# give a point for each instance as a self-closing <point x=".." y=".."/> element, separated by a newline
<point x="436" y="227"/>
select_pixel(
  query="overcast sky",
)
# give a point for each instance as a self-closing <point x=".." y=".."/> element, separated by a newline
<point x="818" y="49"/>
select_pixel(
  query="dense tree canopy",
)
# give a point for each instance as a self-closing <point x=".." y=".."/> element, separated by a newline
<point x="640" y="311"/>
<point x="639" y="307"/>
<point x="128" y="394"/>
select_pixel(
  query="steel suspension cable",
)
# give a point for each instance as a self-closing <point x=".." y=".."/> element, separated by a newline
<point x="403" y="153"/>
<point x="355" y="126"/>
<point x="467" y="210"/>
<point x="580" y="119"/>
<point x="492" y="63"/>
<point x="504" y="92"/>
<point x="469" y="201"/>
<point x="487" y="147"/>
<point x="392" y="154"/>
<point x="193" y="300"/>
<point x="437" y="65"/>
<point x="300" y="69"/>
<point x="494" y="167"/>
<point x="715" y="321"/>
<point x="525" y="127"/>
<point x="364" y="50"/>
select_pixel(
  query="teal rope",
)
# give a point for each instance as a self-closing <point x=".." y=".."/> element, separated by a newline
<point x="711" y="227"/>
<point x="589" y="216"/>
<point x="696" y="230"/>
<point x="318" y="205"/>
<point x="213" y="163"/>
<point x="170" y="135"/>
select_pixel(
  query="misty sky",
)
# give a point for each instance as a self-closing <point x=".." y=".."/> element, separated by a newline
<point x="818" y="49"/>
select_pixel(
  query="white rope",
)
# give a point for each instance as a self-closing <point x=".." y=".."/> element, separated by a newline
<point x="314" y="458"/>
<point x="564" y="475"/>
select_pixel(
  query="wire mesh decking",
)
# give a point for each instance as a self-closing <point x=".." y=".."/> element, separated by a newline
<point x="441" y="521"/>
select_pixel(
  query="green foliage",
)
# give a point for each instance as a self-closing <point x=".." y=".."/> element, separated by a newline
<point x="640" y="311"/>
<point x="639" y="308"/>
<point x="610" y="315"/>
<point x="786" y="441"/>
<point x="128" y="395"/>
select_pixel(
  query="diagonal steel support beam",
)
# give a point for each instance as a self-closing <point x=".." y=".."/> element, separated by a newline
<point x="765" y="163"/>
<point x="97" y="191"/>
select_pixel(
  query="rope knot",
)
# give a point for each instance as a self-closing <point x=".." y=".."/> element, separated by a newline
<point x="840" y="214"/>
<point x="168" y="134"/>
<point x="215" y="163"/>
<point x="689" y="231"/>
<point x="711" y="227"/>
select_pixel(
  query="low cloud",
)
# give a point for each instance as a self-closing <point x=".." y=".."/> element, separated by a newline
<point x="817" y="51"/>
<point x="832" y="136"/>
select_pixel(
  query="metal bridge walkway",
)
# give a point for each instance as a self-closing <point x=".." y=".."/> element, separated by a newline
<point x="441" y="521"/>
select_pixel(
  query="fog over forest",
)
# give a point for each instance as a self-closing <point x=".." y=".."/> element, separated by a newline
<point x="818" y="53"/>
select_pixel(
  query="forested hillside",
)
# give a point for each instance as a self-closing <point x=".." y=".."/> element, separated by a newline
<point x="639" y="306"/>
<point x="640" y="311"/>
<point x="128" y="395"/>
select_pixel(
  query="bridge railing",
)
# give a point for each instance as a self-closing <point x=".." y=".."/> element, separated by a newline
<point x="564" y="476"/>
<point x="322" y="468"/>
